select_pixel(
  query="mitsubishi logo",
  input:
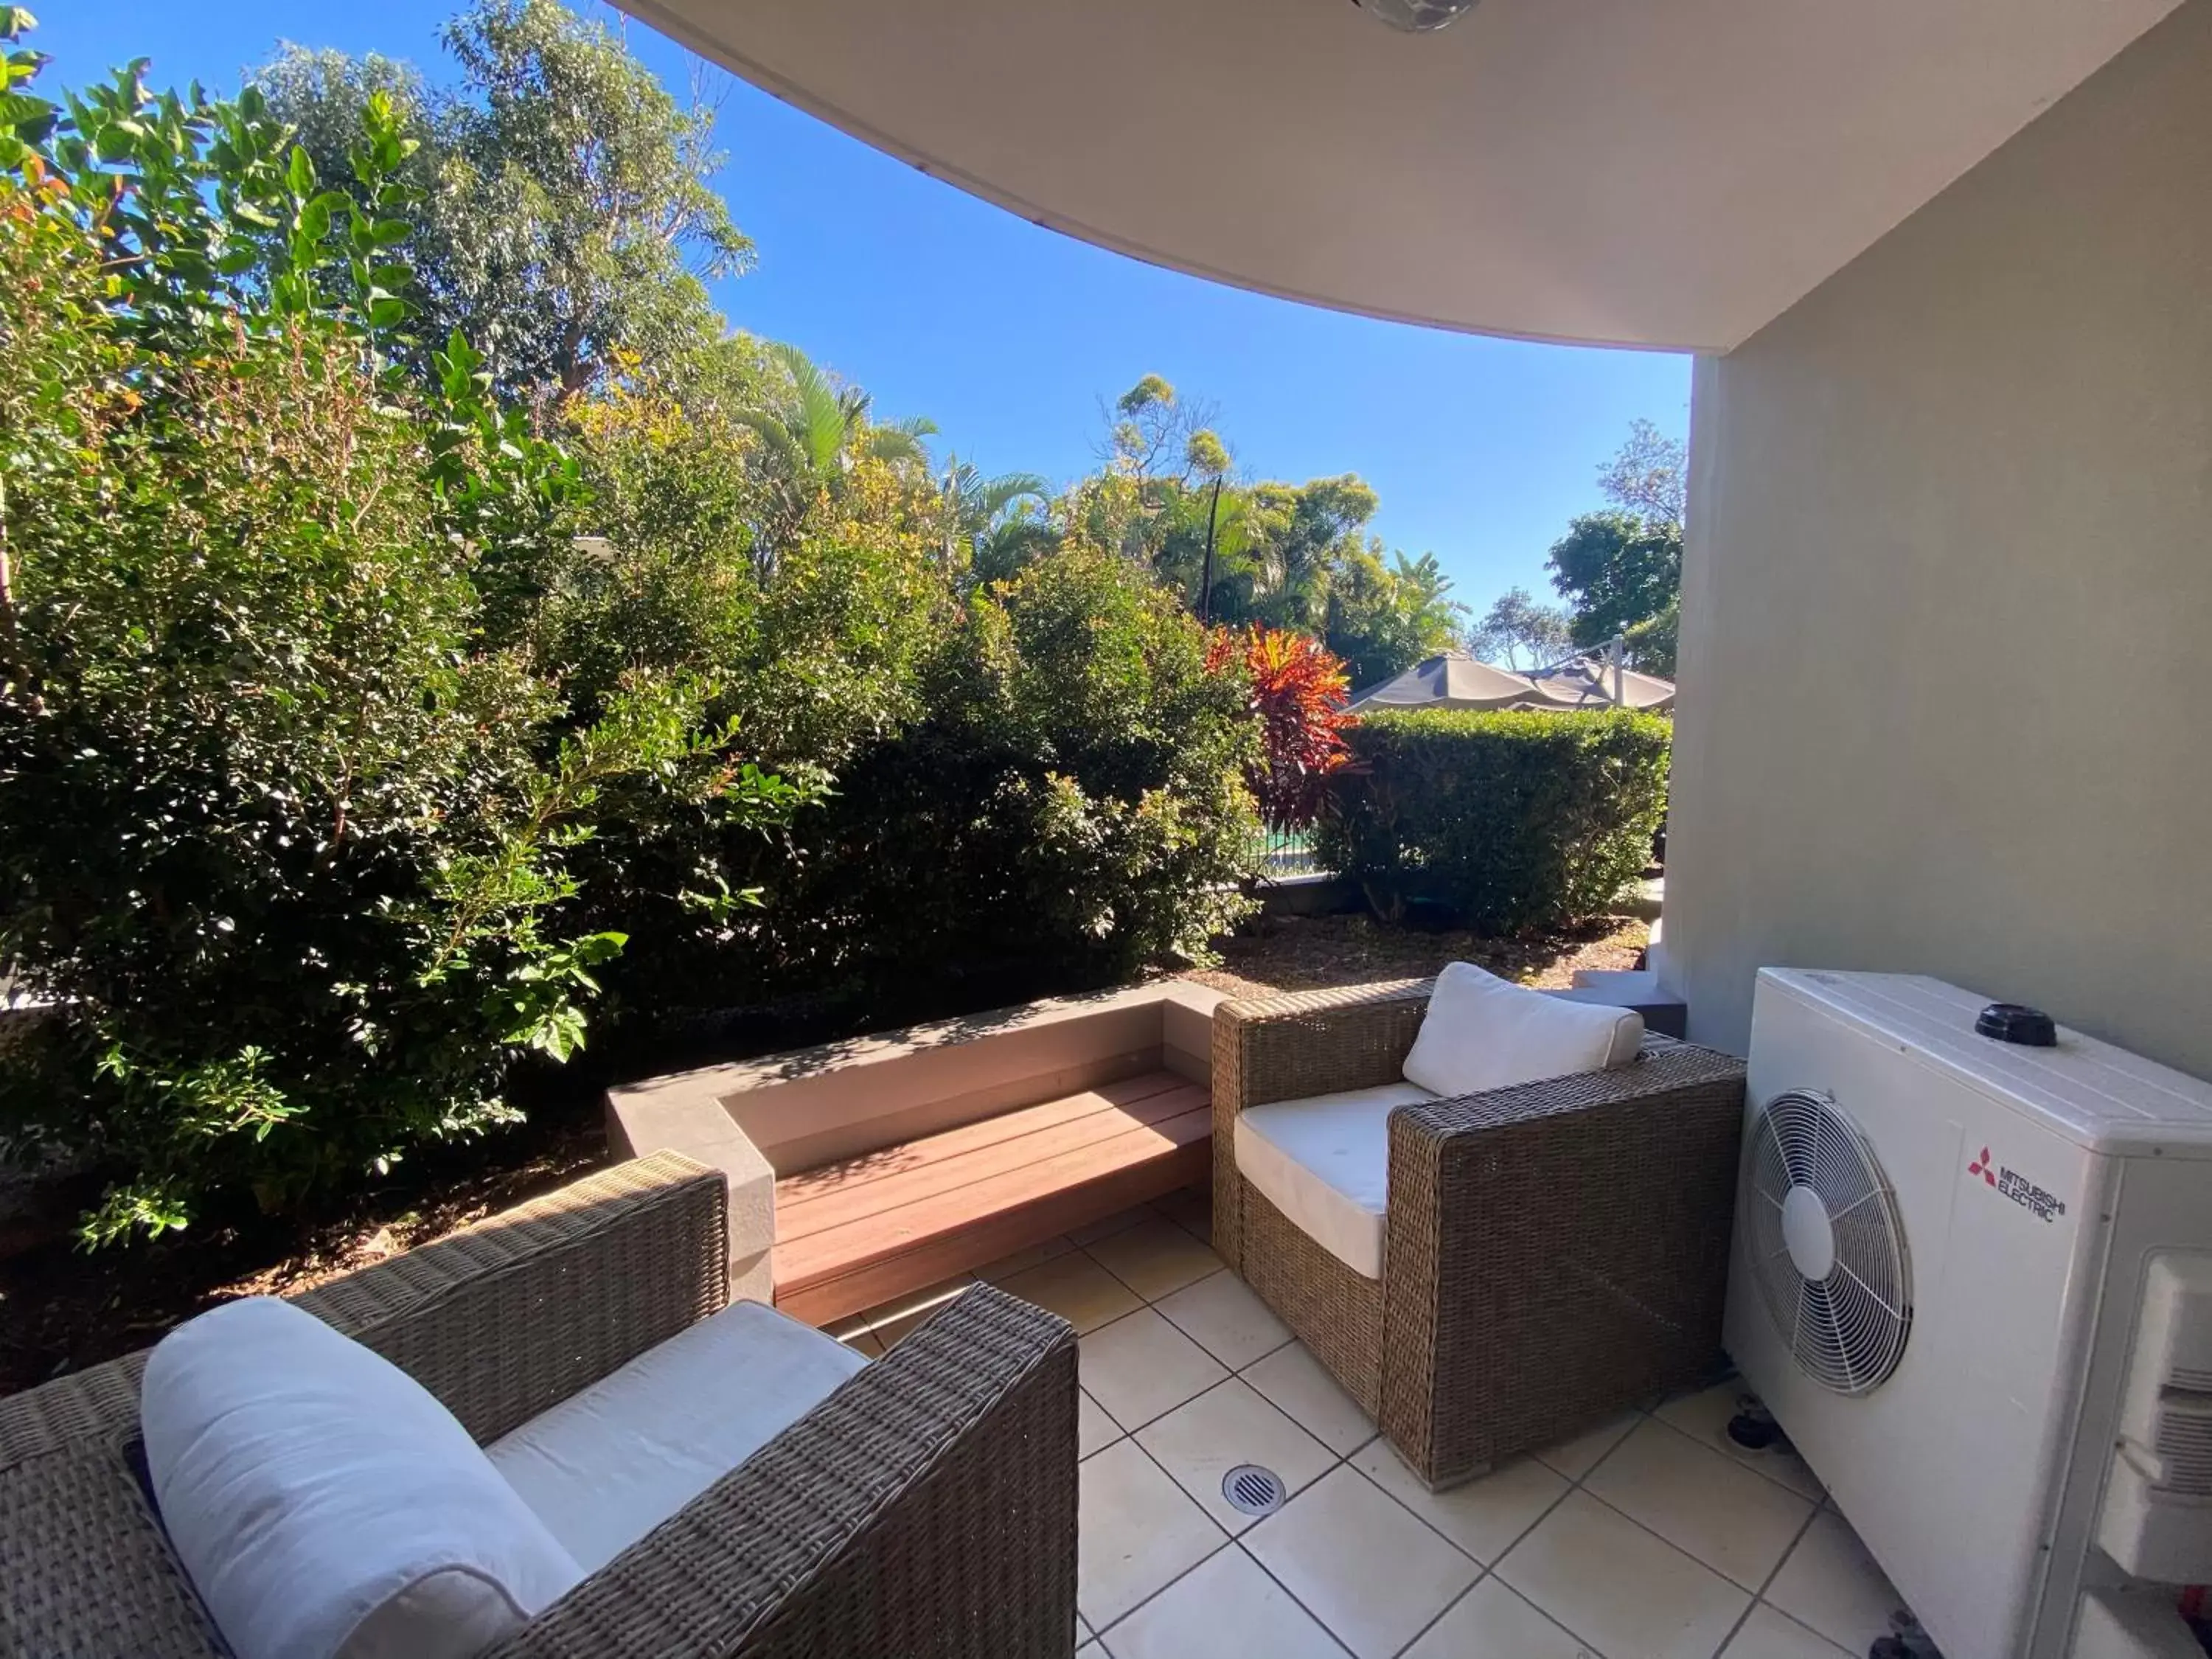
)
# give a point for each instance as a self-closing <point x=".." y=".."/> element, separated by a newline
<point x="2012" y="1184"/>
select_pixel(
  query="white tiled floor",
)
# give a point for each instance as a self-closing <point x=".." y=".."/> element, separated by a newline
<point x="1649" y="1537"/>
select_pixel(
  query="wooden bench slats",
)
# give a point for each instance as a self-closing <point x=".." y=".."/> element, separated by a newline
<point x="839" y="1248"/>
<point x="855" y="1233"/>
<point x="875" y="1186"/>
<point x="1131" y="1091"/>
<point x="873" y="1284"/>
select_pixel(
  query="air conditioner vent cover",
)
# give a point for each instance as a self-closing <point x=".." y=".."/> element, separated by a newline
<point x="1826" y="1247"/>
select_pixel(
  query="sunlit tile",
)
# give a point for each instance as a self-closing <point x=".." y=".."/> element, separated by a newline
<point x="1618" y="1587"/>
<point x="1226" y="1318"/>
<point x="1140" y="1367"/>
<point x="1225" y="1607"/>
<point x="1734" y="1521"/>
<point x="1306" y="1392"/>
<point x="1198" y="1443"/>
<point x="1136" y="1532"/>
<point x="1486" y="1516"/>
<point x="1359" y="1563"/>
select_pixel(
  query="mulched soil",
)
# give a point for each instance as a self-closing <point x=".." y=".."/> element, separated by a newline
<point x="62" y="1309"/>
<point x="1311" y="953"/>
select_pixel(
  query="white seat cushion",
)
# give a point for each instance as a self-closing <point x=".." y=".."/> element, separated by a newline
<point x="1324" y="1162"/>
<point x="324" y="1504"/>
<point x="613" y="1462"/>
<point x="1483" y="1032"/>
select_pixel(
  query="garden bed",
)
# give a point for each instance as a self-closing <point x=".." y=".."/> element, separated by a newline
<point x="1311" y="953"/>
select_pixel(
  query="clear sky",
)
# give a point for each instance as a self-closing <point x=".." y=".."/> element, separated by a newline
<point x="1008" y="335"/>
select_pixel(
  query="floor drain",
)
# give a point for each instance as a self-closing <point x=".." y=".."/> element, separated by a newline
<point x="1253" y="1490"/>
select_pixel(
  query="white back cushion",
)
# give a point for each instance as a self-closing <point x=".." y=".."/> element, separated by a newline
<point x="324" y="1503"/>
<point x="1484" y="1032"/>
<point x="613" y="1462"/>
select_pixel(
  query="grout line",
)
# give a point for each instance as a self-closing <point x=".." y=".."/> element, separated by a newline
<point x="1320" y="1624"/>
<point x="1227" y="1542"/>
<point x="1600" y="1498"/>
<point x="1758" y="1597"/>
<point x="1745" y="1463"/>
<point x="1219" y="1267"/>
<point x="1485" y="1573"/>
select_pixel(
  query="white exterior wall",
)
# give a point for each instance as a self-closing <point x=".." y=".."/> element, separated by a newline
<point x="1947" y="659"/>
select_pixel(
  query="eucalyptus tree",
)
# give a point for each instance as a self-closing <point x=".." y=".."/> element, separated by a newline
<point x="564" y="219"/>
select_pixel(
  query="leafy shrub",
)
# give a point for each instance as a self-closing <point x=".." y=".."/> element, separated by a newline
<point x="1514" y="819"/>
<point x="1298" y="691"/>
<point x="1068" y="804"/>
<point x="288" y="808"/>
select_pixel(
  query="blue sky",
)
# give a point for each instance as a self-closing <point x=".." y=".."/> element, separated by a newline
<point x="1008" y="335"/>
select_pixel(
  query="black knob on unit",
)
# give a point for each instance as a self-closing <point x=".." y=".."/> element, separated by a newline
<point x="2013" y="1021"/>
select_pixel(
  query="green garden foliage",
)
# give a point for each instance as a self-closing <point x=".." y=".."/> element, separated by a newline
<point x="1512" y="819"/>
<point x="289" y="806"/>
<point x="1065" y="805"/>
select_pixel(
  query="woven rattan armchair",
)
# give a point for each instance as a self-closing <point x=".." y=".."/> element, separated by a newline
<point x="926" y="1507"/>
<point x="1551" y="1252"/>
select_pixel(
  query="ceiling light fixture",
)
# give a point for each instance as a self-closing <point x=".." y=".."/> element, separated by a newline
<point x="1416" y="16"/>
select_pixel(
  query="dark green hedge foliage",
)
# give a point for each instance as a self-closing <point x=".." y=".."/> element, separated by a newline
<point x="1066" y="806"/>
<point x="1512" y="819"/>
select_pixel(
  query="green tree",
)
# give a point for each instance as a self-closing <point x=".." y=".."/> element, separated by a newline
<point x="1516" y="625"/>
<point x="1651" y="644"/>
<point x="567" y="226"/>
<point x="994" y="526"/>
<point x="1155" y="436"/>
<point x="1299" y="537"/>
<point x="1384" y="618"/>
<point x="1649" y="475"/>
<point x="1620" y="571"/>
<point x="811" y="430"/>
<point x="1616" y="570"/>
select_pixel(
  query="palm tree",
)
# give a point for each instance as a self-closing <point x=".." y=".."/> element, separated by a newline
<point x="992" y="518"/>
<point x="811" y="431"/>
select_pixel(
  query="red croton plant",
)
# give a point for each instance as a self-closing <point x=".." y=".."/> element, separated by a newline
<point x="1299" y="689"/>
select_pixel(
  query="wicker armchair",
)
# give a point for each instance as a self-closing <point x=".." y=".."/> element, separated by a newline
<point x="1551" y="1252"/>
<point x="926" y="1507"/>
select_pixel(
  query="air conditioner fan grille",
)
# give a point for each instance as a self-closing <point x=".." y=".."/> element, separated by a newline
<point x="1841" y="1293"/>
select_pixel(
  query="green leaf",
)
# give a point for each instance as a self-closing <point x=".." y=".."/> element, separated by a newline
<point x="300" y="173"/>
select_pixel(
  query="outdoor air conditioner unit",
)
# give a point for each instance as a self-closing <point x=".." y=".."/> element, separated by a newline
<point x="1972" y="1281"/>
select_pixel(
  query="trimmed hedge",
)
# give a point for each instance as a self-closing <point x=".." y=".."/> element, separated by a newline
<point x="1511" y="819"/>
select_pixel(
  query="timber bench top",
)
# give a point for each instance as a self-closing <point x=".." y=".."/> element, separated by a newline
<point x="855" y="1233"/>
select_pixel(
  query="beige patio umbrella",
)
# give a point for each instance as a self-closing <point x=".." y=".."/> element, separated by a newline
<point x="1588" y="682"/>
<point x="1454" y="680"/>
